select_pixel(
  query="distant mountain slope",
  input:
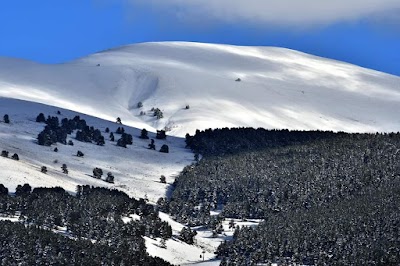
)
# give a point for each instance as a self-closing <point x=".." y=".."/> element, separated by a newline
<point x="279" y="88"/>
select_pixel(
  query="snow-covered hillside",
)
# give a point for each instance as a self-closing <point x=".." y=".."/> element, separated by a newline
<point x="137" y="170"/>
<point x="279" y="88"/>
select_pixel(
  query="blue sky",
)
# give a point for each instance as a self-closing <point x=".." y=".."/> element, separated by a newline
<point x="363" y="32"/>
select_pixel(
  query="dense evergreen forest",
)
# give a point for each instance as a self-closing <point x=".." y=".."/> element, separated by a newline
<point x="91" y="223"/>
<point x="326" y="198"/>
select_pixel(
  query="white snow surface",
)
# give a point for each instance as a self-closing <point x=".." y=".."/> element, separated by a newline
<point x="279" y="88"/>
<point x="178" y="252"/>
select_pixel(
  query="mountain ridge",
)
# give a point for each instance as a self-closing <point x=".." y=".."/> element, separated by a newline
<point x="279" y="88"/>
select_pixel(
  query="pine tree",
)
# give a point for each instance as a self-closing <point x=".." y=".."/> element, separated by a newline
<point x="110" y="177"/>
<point x="158" y="113"/>
<point x="3" y="190"/>
<point x="126" y="139"/>
<point x="43" y="169"/>
<point x="97" y="173"/>
<point x="144" y="134"/>
<point x="6" y="119"/>
<point x="41" y="118"/>
<point x="163" y="243"/>
<point x="120" y="130"/>
<point x="164" y="148"/>
<point x="161" y="134"/>
<point x="163" y="179"/>
<point x="100" y="141"/>
<point x="121" y="143"/>
<point x="152" y="146"/>
<point x="64" y="168"/>
<point x="187" y="235"/>
<point x="23" y="190"/>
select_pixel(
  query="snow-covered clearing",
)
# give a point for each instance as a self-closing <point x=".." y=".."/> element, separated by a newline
<point x="14" y="218"/>
<point x="205" y="244"/>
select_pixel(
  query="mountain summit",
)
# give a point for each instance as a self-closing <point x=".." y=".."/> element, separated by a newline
<point x="198" y="86"/>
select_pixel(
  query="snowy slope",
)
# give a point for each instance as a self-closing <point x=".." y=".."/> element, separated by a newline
<point x="280" y="88"/>
<point x="137" y="170"/>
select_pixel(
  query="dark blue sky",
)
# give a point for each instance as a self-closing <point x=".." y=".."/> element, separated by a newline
<point x="51" y="31"/>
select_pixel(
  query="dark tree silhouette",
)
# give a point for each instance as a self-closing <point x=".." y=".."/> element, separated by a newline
<point x="41" y="118"/>
<point x="6" y="119"/>
<point x="126" y="139"/>
<point x="144" y="134"/>
<point x="152" y="146"/>
<point x="121" y="143"/>
<point x="164" y="148"/>
<point x="158" y="113"/>
<point x="161" y="134"/>
<point x="23" y="190"/>
<point x="120" y="130"/>
<point x="163" y="179"/>
<point x="97" y="173"/>
<point x="3" y="190"/>
<point x="43" y="169"/>
<point x="110" y="177"/>
<point x="187" y="235"/>
<point x="64" y="168"/>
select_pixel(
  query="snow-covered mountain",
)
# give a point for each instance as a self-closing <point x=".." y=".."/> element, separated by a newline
<point x="279" y="88"/>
